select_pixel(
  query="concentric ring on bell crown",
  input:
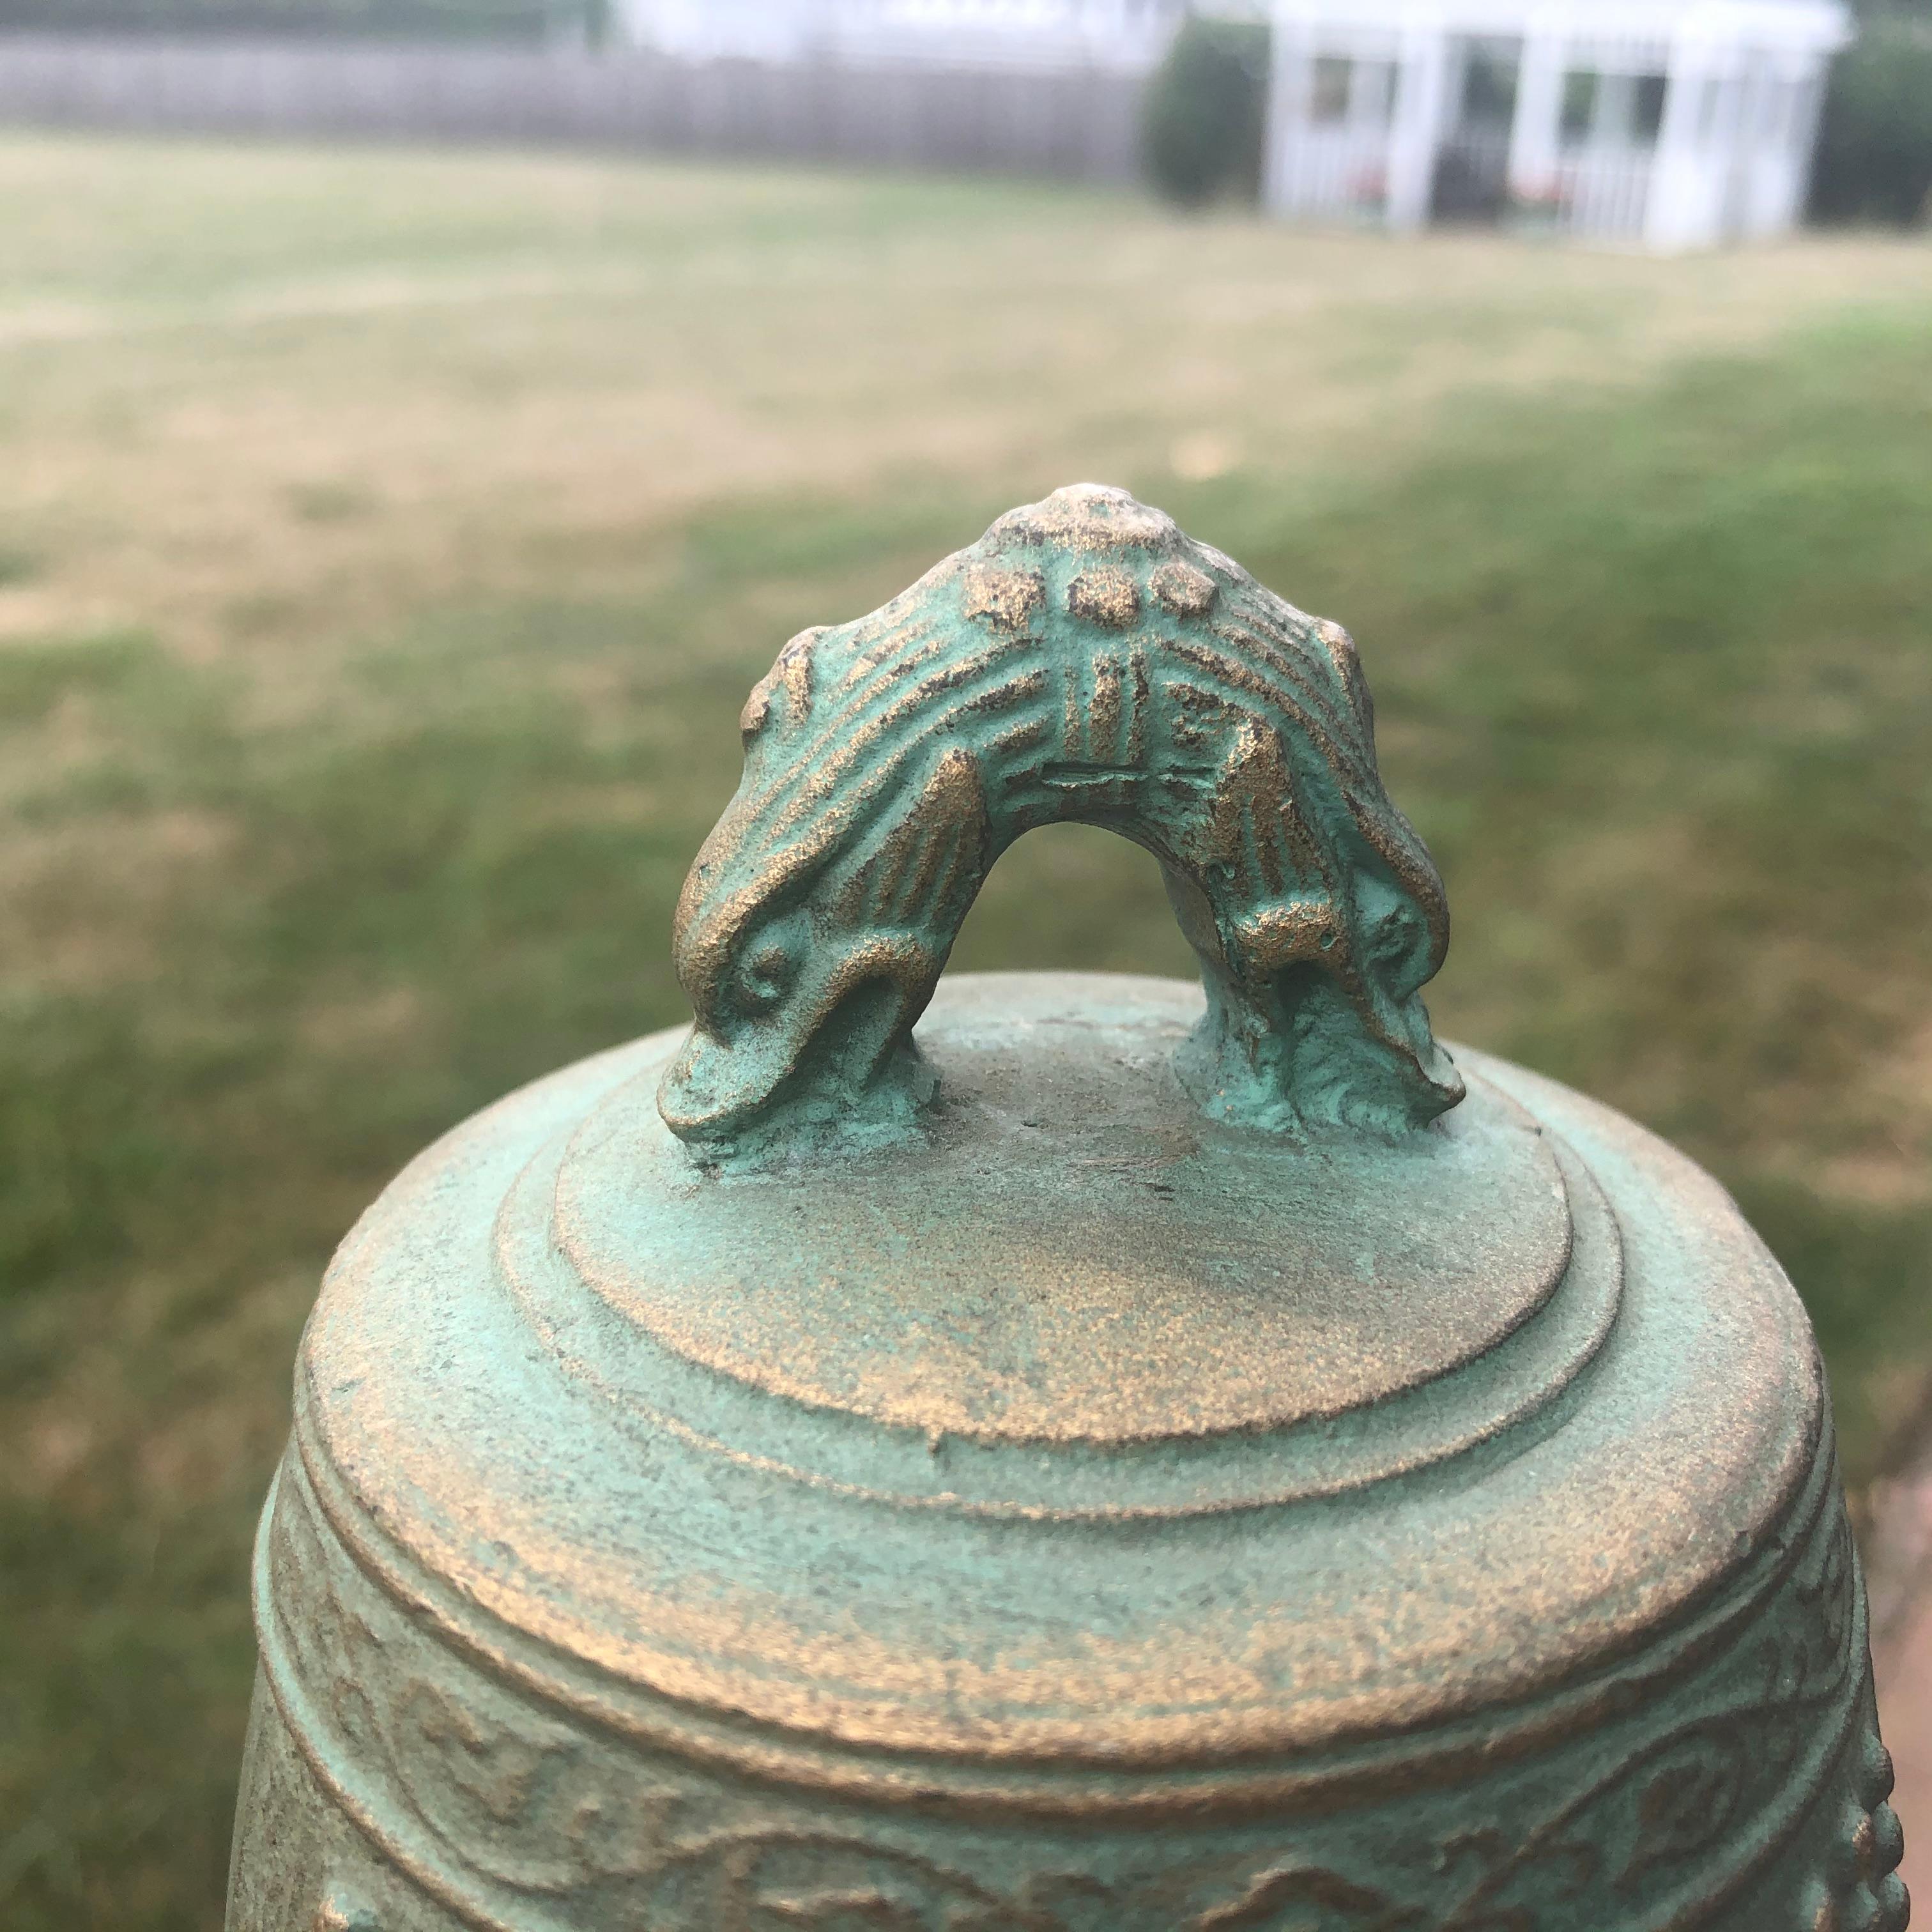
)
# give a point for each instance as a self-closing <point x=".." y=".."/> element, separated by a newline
<point x="1193" y="1318"/>
<point x="1074" y="1254"/>
<point x="1611" y="1517"/>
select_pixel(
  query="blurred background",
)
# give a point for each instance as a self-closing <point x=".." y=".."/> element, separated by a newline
<point x="421" y="420"/>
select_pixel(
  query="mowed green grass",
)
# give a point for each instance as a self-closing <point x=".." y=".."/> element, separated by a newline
<point x="386" y="543"/>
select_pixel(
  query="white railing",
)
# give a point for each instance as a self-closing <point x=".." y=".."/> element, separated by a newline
<point x="1335" y="171"/>
<point x="1605" y="192"/>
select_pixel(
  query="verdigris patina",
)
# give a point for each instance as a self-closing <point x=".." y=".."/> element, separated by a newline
<point x="1084" y="661"/>
<point x="1125" y="1459"/>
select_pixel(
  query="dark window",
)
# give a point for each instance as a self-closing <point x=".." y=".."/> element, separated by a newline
<point x="1332" y="77"/>
<point x="1647" y="108"/>
<point x="1581" y="87"/>
<point x="1489" y="84"/>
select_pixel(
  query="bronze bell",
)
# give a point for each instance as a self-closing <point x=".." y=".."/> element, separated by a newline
<point x="1115" y="1461"/>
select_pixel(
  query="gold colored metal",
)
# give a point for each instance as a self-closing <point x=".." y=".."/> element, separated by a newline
<point x="1070" y="1495"/>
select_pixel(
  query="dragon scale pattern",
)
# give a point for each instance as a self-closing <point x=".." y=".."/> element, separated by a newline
<point x="1084" y="662"/>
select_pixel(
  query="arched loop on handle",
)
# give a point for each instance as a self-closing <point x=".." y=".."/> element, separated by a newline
<point x="1083" y="662"/>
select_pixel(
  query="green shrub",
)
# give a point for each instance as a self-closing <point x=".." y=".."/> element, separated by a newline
<point x="1206" y="111"/>
<point x="1874" y="161"/>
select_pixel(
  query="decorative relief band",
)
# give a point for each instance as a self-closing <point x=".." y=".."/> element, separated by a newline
<point x="522" y="1819"/>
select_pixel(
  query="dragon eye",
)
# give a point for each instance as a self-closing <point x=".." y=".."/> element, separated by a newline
<point x="1394" y="934"/>
<point x="767" y="975"/>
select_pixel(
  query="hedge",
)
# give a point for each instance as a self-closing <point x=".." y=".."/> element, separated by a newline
<point x="1204" y="116"/>
<point x="1874" y="159"/>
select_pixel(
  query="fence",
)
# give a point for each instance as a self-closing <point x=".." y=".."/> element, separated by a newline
<point x="1080" y="124"/>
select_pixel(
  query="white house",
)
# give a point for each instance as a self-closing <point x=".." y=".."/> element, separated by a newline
<point x="1669" y="123"/>
<point x="1122" y="35"/>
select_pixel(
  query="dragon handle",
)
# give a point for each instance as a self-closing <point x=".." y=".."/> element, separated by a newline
<point x="1084" y="662"/>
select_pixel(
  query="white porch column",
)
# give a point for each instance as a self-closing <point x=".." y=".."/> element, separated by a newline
<point x="1291" y="76"/>
<point x="1685" y="209"/>
<point x="1536" y="132"/>
<point x="1415" y="133"/>
<point x="1814" y="75"/>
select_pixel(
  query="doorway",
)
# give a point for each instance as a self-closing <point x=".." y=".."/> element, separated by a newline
<point x="1470" y="182"/>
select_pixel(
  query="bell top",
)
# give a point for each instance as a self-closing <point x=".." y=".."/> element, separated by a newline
<point x="1173" y="1382"/>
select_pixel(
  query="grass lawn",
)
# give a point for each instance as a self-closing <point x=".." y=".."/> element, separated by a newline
<point x="387" y="541"/>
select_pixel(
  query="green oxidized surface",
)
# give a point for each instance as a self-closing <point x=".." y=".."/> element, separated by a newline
<point x="1131" y="1459"/>
<point x="1084" y="662"/>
